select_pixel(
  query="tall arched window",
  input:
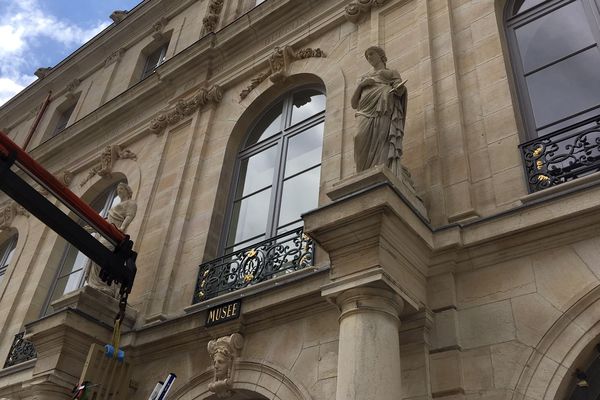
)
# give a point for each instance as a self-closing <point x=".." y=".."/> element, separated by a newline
<point x="556" y="58"/>
<point x="73" y="263"/>
<point x="7" y="250"/>
<point x="277" y="170"/>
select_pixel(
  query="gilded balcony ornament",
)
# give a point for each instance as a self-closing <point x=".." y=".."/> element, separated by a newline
<point x="562" y="156"/>
<point x="277" y="256"/>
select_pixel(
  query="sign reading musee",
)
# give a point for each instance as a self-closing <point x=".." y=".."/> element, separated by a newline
<point x="223" y="313"/>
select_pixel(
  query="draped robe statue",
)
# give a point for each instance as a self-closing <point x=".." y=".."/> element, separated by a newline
<point x="380" y="104"/>
<point x="120" y="216"/>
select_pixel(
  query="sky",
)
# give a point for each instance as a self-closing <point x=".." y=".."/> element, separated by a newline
<point x="41" y="33"/>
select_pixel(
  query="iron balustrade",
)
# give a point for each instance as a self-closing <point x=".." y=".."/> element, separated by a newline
<point x="21" y="350"/>
<point x="562" y="156"/>
<point x="262" y="261"/>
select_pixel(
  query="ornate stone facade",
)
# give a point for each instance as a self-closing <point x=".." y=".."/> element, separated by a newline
<point x="184" y="108"/>
<point x="103" y="168"/>
<point x="279" y="62"/>
<point x="453" y="282"/>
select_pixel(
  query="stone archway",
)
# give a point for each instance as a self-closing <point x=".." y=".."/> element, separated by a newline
<point x="567" y="345"/>
<point x="253" y="380"/>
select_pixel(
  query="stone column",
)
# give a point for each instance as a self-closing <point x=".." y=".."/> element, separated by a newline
<point x="369" y="349"/>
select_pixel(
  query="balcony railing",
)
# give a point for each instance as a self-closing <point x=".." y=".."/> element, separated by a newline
<point x="271" y="258"/>
<point x="21" y="350"/>
<point x="562" y="156"/>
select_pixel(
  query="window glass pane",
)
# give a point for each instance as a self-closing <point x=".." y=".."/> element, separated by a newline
<point x="256" y="172"/>
<point x="250" y="217"/>
<point x="290" y="227"/>
<point x="74" y="260"/>
<point x="306" y="104"/>
<point x="65" y="285"/>
<point x="304" y="150"/>
<point x="63" y="119"/>
<point x="269" y="125"/>
<point x="565" y="88"/>
<point x="553" y="36"/>
<point x="526" y="5"/>
<point x="300" y="194"/>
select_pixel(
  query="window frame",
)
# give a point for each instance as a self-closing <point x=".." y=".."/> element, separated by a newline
<point x="514" y="20"/>
<point x="111" y="195"/>
<point x="10" y="246"/>
<point x="162" y="50"/>
<point x="245" y="151"/>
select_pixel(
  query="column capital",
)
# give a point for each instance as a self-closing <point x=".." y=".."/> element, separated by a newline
<point x="367" y="299"/>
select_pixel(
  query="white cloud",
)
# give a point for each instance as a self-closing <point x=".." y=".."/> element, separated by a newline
<point x="23" y="23"/>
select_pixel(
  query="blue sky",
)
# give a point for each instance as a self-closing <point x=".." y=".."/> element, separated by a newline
<point x="41" y="33"/>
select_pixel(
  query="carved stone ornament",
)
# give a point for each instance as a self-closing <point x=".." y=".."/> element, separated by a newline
<point x="114" y="57"/>
<point x="158" y="28"/>
<point x="108" y="157"/>
<point x="279" y="62"/>
<point x="118" y="15"/>
<point x="184" y="108"/>
<point x="42" y="72"/>
<point x="65" y="177"/>
<point x="8" y="212"/>
<point x="223" y="352"/>
<point x="73" y="84"/>
<point x="357" y="8"/>
<point x="210" y="22"/>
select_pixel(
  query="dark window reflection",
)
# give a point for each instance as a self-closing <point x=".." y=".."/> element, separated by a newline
<point x="268" y="126"/>
<point x="553" y="36"/>
<point x="565" y="88"/>
<point x="306" y="104"/>
<point x="526" y="5"/>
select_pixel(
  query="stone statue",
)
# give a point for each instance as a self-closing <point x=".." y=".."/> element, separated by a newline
<point x="380" y="104"/>
<point x="223" y="352"/>
<point x="120" y="216"/>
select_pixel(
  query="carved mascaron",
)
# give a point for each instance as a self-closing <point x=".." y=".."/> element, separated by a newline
<point x="223" y="352"/>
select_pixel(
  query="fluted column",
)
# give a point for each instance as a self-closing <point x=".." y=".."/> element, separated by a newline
<point x="369" y="349"/>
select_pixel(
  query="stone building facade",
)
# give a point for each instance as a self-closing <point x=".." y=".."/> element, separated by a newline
<point x="231" y="122"/>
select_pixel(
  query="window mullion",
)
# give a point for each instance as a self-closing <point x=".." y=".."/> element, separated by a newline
<point x="276" y="188"/>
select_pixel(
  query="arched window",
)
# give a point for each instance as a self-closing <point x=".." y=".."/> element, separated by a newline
<point x="7" y="250"/>
<point x="555" y="59"/>
<point x="73" y="263"/>
<point x="277" y="170"/>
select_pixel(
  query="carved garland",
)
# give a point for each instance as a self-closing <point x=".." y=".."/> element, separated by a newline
<point x="209" y="23"/>
<point x="158" y="28"/>
<point x="184" y="108"/>
<point x="279" y="62"/>
<point x="357" y="8"/>
<point x="8" y="212"/>
<point x="108" y="157"/>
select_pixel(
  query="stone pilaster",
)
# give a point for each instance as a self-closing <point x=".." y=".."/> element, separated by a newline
<point x="369" y="349"/>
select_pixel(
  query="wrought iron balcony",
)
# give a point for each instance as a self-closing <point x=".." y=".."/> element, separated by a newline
<point x="562" y="156"/>
<point x="274" y="257"/>
<point x="21" y="350"/>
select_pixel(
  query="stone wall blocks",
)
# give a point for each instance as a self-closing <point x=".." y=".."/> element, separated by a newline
<point x="508" y="360"/>
<point x="533" y="316"/>
<point x="486" y="324"/>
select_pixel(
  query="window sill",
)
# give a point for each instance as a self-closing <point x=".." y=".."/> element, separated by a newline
<point x="562" y="189"/>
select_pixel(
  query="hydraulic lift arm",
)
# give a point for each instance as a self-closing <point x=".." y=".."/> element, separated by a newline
<point x="116" y="265"/>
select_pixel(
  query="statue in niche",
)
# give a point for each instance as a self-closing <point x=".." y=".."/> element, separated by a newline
<point x="223" y="352"/>
<point x="120" y="216"/>
<point x="380" y="103"/>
